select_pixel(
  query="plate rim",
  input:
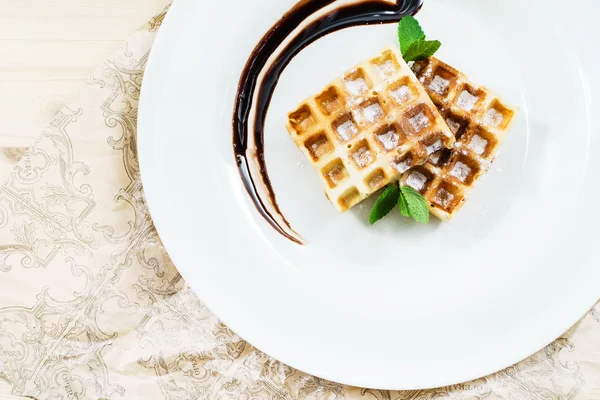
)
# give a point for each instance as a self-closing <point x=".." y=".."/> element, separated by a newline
<point x="211" y="298"/>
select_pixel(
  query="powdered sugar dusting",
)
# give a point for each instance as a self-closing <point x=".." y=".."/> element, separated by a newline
<point x="493" y="118"/>
<point x="356" y="87"/>
<point x="389" y="139"/>
<point x="362" y="157"/>
<point x="453" y="125"/>
<point x="347" y="130"/>
<point x="373" y="112"/>
<point x="461" y="171"/>
<point x="376" y="181"/>
<point x="419" y="121"/>
<point x="416" y="180"/>
<point x="435" y="157"/>
<point x="336" y="174"/>
<point x="402" y="165"/>
<point x="333" y="177"/>
<point x="439" y="85"/>
<point x="432" y="148"/>
<point x="425" y="75"/>
<point x="466" y="100"/>
<point x="386" y="69"/>
<point x="319" y="148"/>
<point x="402" y="94"/>
<point x="417" y="67"/>
<point x="444" y="198"/>
<point x="478" y="144"/>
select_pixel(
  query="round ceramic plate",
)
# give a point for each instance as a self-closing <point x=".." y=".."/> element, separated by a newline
<point x="397" y="305"/>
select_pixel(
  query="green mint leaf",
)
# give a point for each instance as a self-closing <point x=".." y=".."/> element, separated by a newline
<point x="417" y="205"/>
<point x="422" y="50"/>
<point x="403" y="205"/>
<point x="385" y="203"/>
<point x="409" y="32"/>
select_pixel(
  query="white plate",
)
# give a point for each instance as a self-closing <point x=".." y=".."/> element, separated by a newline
<point x="395" y="306"/>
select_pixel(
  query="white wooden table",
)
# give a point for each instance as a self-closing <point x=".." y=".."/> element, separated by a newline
<point x="46" y="48"/>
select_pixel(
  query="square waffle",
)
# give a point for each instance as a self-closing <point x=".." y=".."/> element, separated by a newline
<point x="480" y="121"/>
<point x="368" y="127"/>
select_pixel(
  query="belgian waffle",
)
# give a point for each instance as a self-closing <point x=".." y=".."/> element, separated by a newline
<point x="480" y="121"/>
<point x="368" y="127"/>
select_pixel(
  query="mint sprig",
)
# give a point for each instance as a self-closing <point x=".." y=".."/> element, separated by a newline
<point x="403" y="206"/>
<point x="421" y="50"/>
<point x="417" y="206"/>
<point x="385" y="203"/>
<point x="410" y="203"/>
<point x="409" y="32"/>
<point x="413" y="45"/>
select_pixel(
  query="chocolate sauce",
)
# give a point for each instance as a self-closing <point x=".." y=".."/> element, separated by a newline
<point x="320" y="17"/>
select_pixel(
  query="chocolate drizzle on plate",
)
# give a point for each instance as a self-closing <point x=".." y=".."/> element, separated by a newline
<point x="306" y="22"/>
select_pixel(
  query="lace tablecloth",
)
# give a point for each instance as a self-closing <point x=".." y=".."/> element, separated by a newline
<point x="91" y="307"/>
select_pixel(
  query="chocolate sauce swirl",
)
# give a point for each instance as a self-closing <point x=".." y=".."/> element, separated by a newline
<point x="306" y="22"/>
